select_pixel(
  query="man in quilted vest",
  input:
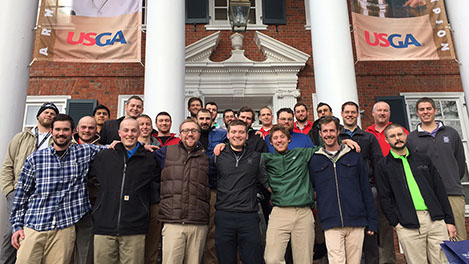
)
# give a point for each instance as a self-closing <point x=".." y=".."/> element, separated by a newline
<point x="185" y="196"/>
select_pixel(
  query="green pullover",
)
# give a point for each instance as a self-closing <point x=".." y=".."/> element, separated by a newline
<point x="289" y="177"/>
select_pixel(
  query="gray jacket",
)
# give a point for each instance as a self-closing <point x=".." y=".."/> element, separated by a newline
<point x="446" y="152"/>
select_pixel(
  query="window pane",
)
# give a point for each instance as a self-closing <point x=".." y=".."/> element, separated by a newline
<point x="450" y="109"/>
<point x="253" y="3"/>
<point x="220" y="3"/>
<point x="456" y="125"/>
<point x="31" y="112"/>
<point x="252" y="16"/>
<point x="220" y="14"/>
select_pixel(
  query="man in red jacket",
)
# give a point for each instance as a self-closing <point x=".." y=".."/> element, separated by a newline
<point x="163" y="123"/>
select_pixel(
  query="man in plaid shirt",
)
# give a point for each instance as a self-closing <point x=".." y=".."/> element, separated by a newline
<point x="51" y="197"/>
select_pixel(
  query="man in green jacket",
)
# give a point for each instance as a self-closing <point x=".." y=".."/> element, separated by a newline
<point x="292" y="198"/>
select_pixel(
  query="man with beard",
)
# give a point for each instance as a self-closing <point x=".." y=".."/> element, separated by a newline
<point x="209" y="138"/>
<point x="228" y="116"/>
<point x="133" y="108"/>
<point x="163" y="123"/>
<point x="213" y="108"/>
<point x="51" y="197"/>
<point x="302" y="124"/>
<point x="21" y="146"/>
<point x="185" y="196"/>
<point x="414" y="200"/>
<point x="345" y="203"/>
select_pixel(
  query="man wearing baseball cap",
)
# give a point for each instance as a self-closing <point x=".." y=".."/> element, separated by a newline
<point x="21" y="146"/>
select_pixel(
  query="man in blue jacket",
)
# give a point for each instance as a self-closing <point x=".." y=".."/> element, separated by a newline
<point x="345" y="203"/>
<point x="298" y="140"/>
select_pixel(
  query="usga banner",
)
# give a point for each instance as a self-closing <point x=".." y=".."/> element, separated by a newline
<point x="401" y="30"/>
<point x="89" y="31"/>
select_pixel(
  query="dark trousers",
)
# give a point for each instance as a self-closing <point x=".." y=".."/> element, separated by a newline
<point x="236" y="229"/>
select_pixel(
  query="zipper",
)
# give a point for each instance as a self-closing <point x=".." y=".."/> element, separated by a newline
<point x="238" y="158"/>
<point x="122" y="193"/>
<point x="338" y="196"/>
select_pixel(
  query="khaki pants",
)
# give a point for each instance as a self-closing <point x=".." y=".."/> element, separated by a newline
<point x="119" y="249"/>
<point x="458" y="206"/>
<point x="210" y="252"/>
<point x="183" y="243"/>
<point x="296" y="223"/>
<point x="344" y="244"/>
<point x="54" y="246"/>
<point x="422" y="245"/>
<point x="152" y="240"/>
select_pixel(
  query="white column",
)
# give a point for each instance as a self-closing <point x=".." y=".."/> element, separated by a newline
<point x="334" y="69"/>
<point x="457" y="16"/>
<point x="165" y="59"/>
<point x="18" y="19"/>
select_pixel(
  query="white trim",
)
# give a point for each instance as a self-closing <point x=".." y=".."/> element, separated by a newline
<point x="276" y="77"/>
<point x="121" y="100"/>
<point x="308" y="19"/>
<point x="37" y="100"/>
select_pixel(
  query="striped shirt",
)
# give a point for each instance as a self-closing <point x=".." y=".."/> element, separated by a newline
<point x="51" y="192"/>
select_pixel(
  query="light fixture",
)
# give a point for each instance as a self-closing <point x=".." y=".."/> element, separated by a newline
<point x="239" y="14"/>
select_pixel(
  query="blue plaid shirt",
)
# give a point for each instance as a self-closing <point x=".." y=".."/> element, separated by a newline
<point x="51" y="192"/>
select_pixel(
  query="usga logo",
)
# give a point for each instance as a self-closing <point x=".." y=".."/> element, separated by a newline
<point x="91" y="39"/>
<point x="394" y="40"/>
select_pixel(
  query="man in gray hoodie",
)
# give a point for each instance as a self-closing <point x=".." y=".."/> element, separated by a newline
<point x="443" y="145"/>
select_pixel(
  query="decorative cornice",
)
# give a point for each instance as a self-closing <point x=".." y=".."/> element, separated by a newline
<point x="202" y="49"/>
<point x="275" y="50"/>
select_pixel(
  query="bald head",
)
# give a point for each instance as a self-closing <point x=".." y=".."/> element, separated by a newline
<point x="86" y="129"/>
<point x="129" y="132"/>
<point x="381" y="113"/>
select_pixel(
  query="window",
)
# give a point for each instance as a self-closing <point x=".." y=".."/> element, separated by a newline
<point x="33" y="103"/>
<point x="451" y="110"/>
<point x="219" y="20"/>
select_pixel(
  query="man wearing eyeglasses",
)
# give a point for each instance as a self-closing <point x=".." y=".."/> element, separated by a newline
<point x="298" y="140"/>
<point x="185" y="196"/>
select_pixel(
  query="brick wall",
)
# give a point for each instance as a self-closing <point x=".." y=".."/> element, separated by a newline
<point x="107" y="81"/>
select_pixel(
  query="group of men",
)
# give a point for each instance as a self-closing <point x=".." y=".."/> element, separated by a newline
<point x="217" y="195"/>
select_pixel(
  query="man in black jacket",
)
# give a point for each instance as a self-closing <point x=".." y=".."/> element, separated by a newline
<point x="254" y="142"/>
<point x="133" y="108"/>
<point x="128" y="176"/>
<point x="236" y="219"/>
<point x="414" y="200"/>
<point x="371" y="154"/>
